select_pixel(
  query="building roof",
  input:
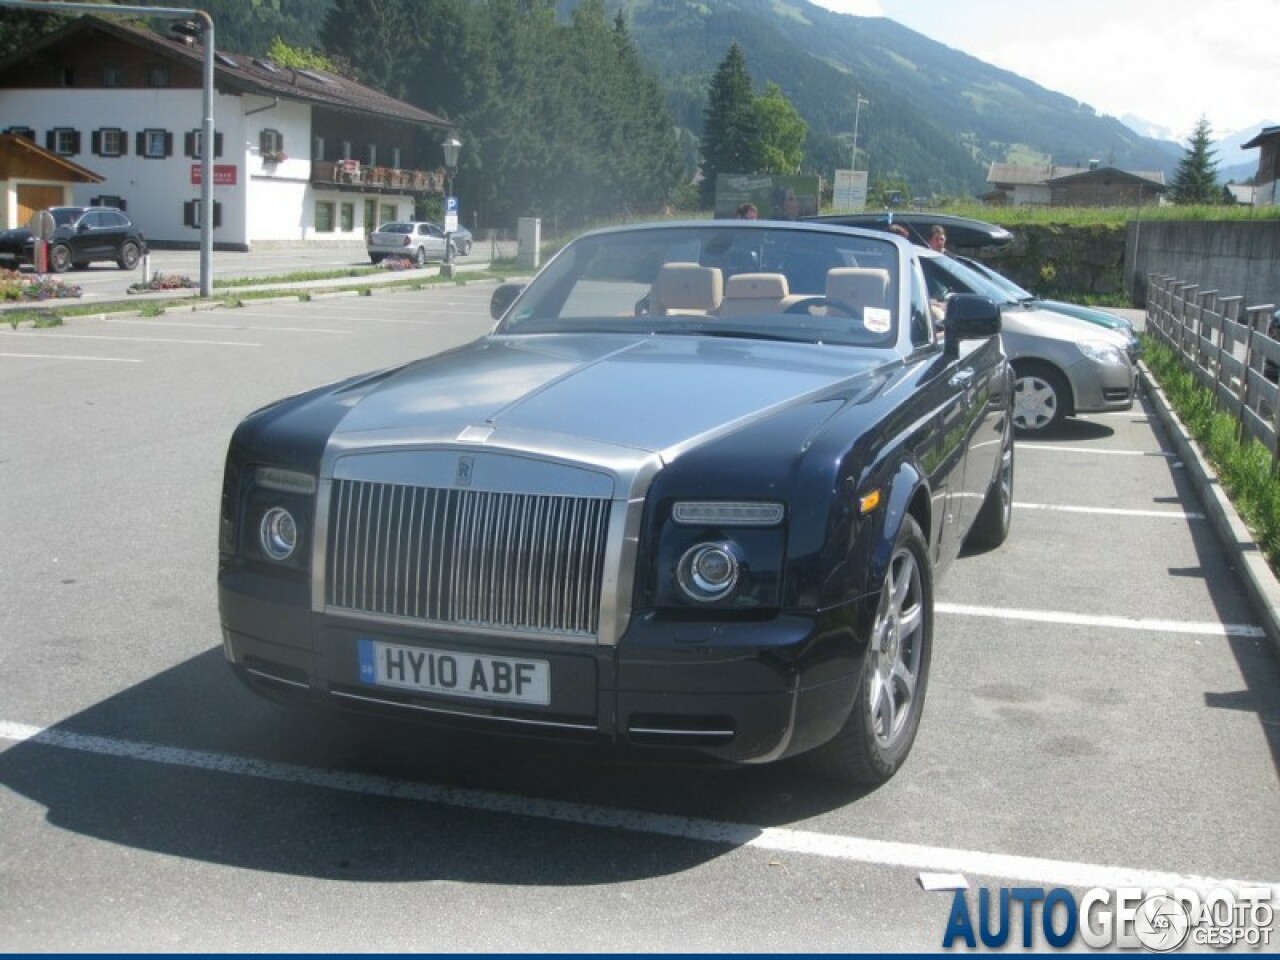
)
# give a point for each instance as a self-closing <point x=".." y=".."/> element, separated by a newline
<point x="1018" y="174"/>
<point x="1267" y="134"/>
<point x="15" y="144"/>
<point x="236" y="73"/>
<point x="1155" y="179"/>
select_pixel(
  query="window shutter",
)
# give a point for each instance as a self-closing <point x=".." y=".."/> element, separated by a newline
<point x="189" y="144"/>
<point x="189" y="213"/>
<point x="124" y="145"/>
<point x="140" y="144"/>
<point x="217" y="143"/>
<point x="51" y="141"/>
<point x="75" y="143"/>
<point x="168" y="143"/>
<point x="95" y="141"/>
<point x="217" y="214"/>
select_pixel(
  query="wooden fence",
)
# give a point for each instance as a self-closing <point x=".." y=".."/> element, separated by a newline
<point x="1228" y="347"/>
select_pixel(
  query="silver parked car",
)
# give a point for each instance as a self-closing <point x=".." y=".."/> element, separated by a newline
<point x="1062" y="365"/>
<point x="416" y="240"/>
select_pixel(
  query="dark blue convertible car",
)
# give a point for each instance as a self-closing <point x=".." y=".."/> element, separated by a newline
<point x="690" y="495"/>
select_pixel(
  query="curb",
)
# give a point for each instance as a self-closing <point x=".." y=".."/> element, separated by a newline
<point x="1260" y="583"/>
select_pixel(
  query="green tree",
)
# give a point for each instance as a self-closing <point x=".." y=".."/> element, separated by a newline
<point x="1196" y="180"/>
<point x="782" y="132"/>
<point x="730" y="126"/>
<point x="298" y="57"/>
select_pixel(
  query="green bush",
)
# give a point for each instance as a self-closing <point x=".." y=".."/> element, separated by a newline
<point x="1244" y="466"/>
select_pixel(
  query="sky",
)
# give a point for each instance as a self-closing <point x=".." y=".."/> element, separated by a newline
<point x="1167" y="61"/>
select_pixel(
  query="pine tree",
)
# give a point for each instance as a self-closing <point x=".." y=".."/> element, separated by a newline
<point x="730" y="129"/>
<point x="1196" y="180"/>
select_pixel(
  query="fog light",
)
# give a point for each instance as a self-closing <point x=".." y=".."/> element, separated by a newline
<point x="708" y="572"/>
<point x="278" y="533"/>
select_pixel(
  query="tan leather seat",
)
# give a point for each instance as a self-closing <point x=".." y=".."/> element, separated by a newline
<point x="686" y="288"/>
<point x="749" y="293"/>
<point x="860" y="287"/>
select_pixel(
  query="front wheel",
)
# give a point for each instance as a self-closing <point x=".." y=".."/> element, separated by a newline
<point x="59" y="258"/>
<point x="882" y="724"/>
<point x="1041" y="398"/>
<point x="130" y="254"/>
<point x="420" y="258"/>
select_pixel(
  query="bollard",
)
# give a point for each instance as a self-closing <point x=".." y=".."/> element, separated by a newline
<point x="146" y="269"/>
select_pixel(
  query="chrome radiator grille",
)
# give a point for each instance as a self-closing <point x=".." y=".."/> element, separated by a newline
<point x="515" y="561"/>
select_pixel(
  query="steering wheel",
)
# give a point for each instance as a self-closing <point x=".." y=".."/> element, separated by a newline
<point x="806" y="306"/>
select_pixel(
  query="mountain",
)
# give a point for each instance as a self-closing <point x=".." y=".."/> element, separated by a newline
<point x="937" y="117"/>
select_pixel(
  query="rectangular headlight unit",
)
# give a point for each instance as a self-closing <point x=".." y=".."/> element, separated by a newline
<point x="727" y="514"/>
<point x="285" y="481"/>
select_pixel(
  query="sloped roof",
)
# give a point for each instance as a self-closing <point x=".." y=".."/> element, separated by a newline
<point x="1266" y="134"/>
<point x="236" y="73"/>
<point x="1019" y="174"/>
<point x="13" y="144"/>
<point x="1155" y="179"/>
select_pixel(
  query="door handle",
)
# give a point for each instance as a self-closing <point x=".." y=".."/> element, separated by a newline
<point x="961" y="378"/>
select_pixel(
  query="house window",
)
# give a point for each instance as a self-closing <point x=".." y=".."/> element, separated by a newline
<point x="395" y="157"/>
<point x="324" y="217"/>
<point x="155" y="144"/>
<point x="191" y="213"/>
<point x="109" y="201"/>
<point x="158" y="75"/>
<point x="192" y="142"/>
<point x="348" y="213"/>
<point x="346" y="150"/>
<point x="271" y="146"/>
<point x="22" y="132"/>
<point x="372" y="155"/>
<point x="113" y="76"/>
<point x="317" y="149"/>
<point x="64" y="141"/>
<point x="388" y="211"/>
<point x="110" y="142"/>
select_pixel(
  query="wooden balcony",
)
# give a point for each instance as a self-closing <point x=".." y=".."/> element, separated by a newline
<point x="351" y="175"/>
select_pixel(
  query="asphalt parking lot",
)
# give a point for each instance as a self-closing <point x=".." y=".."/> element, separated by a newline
<point x="1103" y="709"/>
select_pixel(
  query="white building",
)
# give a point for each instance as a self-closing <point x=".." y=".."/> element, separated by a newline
<point x="299" y="155"/>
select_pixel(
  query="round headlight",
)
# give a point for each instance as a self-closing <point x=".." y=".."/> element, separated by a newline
<point x="708" y="571"/>
<point x="278" y="533"/>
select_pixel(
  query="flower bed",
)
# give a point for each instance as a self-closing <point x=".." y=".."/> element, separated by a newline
<point x="398" y="263"/>
<point x="18" y="286"/>
<point x="163" y="281"/>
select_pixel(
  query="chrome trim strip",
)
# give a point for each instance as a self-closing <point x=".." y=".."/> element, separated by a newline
<point x="660" y="732"/>
<point x="471" y="630"/>
<point x="550" y="724"/>
<point x="276" y="679"/>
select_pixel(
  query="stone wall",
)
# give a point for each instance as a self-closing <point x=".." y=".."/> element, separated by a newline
<point x="1062" y="261"/>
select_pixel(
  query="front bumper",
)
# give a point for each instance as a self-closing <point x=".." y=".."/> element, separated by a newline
<point x="1101" y="387"/>
<point x="742" y="692"/>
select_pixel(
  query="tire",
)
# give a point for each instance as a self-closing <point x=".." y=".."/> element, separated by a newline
<point x="466" y="248"/>
<point x="375" y="258"/>
<point x="59" y="258"/>
<point x="130" y="254"/>
<point x="1041" y="398"/>
<point x="991" y="526"/>
<point x="420" y="257"/>
<point x="885" y="715"/>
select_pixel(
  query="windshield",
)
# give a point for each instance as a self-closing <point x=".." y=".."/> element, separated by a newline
<point x="1012" y="291"/>
<point x="946" y="276"/>
<point x="396" y="228"/>
<point x="720" y="278"/>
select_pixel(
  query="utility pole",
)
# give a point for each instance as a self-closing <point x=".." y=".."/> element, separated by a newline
<point x="206" y="148"/>
<point x="857" y="111"/>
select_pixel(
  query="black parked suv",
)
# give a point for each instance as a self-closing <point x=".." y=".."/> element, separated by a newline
<point x="81" y="235"/>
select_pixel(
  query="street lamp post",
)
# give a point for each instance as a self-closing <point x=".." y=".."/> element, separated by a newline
<point x="857" y="111"/>
<point x="451" y="148"/>
<point x="205" y="23"/>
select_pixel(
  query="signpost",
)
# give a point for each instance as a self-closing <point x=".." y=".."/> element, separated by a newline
<point x="850" y="191"/>
<point x="41" y="226"/>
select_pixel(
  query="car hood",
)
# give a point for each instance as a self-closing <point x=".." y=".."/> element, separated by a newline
<point x="653" y="393"/>
<point x="1036" y="322"/>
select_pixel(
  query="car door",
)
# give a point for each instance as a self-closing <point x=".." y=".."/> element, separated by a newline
<point x="433" y="241"/>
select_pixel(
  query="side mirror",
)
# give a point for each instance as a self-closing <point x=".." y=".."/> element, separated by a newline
<point x="82" y="228"/>
<point x="503" y="296"/>
<point x="969" y="317"/>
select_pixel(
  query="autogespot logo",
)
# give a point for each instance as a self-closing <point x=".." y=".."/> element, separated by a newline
<point x="1126" y="918"/>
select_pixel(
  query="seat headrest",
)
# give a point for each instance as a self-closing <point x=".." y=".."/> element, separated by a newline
<point x="756" y="286"/>
<point x="687" y="286"/>
<point x="859" y="286"/>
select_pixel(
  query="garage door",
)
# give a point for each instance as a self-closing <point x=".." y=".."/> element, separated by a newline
<point x="33" y="197"/>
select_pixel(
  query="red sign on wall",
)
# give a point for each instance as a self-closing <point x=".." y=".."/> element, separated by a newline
<point x="224" y="174"/>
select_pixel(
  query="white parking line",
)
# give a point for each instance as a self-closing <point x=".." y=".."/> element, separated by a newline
<point x="1067" y="448"/>
<point x="232" y="325"/>
<point x="1115" y="623"/>
<point x="1113" y="511"/>
<point x="66" y="356"/>
<point x="831" y="846"/>
<point x="94" y="336"/>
